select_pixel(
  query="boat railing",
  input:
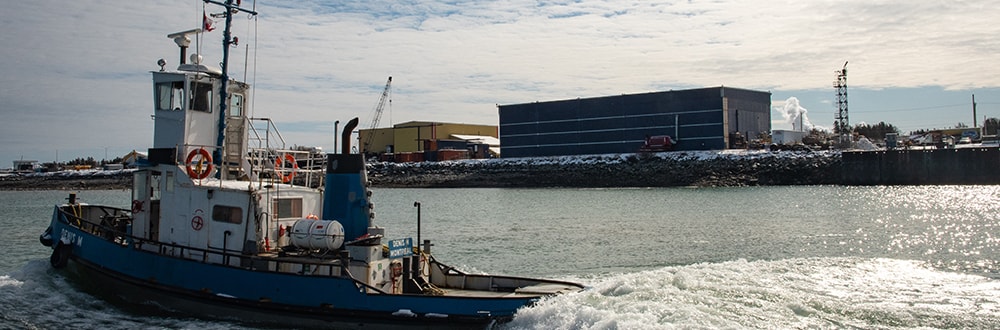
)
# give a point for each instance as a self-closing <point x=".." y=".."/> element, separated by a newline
<point x="299" y="167"/>
<point x="105" y="227"/>
<point x="268" y="156"/>
<point x="302" y="166"/>
<point x="103" y="221"/>
<point x="264" y="135"/>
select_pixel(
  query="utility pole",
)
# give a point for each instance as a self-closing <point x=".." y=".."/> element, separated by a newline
<point x="975" y="124"/>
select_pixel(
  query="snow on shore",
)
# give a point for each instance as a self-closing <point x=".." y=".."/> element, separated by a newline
<point x="697" y="155"/>
<point x="677" y="168"/>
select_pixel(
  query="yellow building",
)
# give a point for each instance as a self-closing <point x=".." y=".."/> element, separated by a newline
<point x="417" y="136"/>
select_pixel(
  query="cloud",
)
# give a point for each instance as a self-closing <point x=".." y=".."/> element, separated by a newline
<point x="83" y="68"/>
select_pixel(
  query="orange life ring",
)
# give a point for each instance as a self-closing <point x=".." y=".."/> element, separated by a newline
<point x="397" y="268"/>
<point x="279" y="165"/>
<point x="200" y="171"/>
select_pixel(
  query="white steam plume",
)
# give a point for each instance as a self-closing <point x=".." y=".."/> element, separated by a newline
<point x="795" y="114"/>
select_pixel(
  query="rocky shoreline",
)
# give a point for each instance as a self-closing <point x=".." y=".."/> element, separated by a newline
<point x="658" y="170"/>
<point x="675" y="169"/>
<point x="109" y="181"/>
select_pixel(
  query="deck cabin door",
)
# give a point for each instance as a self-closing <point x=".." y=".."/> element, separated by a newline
<point x="146" y="208"/>
<point x="228" y="228"/>
<point x="140" y="204"/>
<point x="236" y="137"/>
<point x="195" y="217"/>
<point x="153" y="234"/>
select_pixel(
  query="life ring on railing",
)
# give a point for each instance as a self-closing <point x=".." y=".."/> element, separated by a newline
<point x="279" y="165"/>
<point x="397" y="269"/>
<point x="204" y="166"/>
<point x="136" y="206"/>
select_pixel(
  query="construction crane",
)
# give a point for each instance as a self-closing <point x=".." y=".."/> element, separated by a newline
<point x="376" y="116"/>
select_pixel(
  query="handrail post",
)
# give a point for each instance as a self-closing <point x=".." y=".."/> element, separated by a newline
<point x="417" y="205"/>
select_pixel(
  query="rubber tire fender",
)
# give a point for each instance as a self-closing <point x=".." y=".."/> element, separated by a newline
<point x="60" y="255"/>
<point x="46" y="237"/>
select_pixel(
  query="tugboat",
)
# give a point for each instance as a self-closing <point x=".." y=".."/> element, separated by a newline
<point x="226" y="221"/>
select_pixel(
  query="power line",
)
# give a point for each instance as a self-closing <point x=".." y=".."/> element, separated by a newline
<point x="917" y="109"/>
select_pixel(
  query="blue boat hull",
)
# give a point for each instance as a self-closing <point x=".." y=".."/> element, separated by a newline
<point x="122" y="270"/>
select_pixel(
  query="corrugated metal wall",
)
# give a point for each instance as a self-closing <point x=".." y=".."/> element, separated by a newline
<point x="619" y="124"/>
<point x="410" y="136"/>
<point x="749" y="111"/>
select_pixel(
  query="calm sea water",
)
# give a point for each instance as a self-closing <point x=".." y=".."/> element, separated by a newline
<point x="759" y="257"/>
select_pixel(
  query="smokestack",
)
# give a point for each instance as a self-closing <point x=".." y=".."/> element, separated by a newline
<point x="345" y="147"/>
<point x="974" y="119"/>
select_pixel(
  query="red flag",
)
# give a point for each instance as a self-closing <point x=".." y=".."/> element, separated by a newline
<point x="206" y="22"/>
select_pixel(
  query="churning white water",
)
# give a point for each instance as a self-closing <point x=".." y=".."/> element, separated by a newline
<point x="672" y="258"/>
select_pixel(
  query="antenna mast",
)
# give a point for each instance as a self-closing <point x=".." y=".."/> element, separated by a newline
<point x="224" y="83"/>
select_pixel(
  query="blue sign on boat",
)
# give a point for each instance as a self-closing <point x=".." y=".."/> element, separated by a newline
<point x="399" y="248"/>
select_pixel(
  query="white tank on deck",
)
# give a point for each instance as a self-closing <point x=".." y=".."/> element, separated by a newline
<point x="317" y="234"/>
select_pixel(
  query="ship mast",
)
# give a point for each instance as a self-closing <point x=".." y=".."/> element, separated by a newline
<point x="224" y="85"/>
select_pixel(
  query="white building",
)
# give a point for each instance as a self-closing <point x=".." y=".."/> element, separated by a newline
<point x="786" y="137"/>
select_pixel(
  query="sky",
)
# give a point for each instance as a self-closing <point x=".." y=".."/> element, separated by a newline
<point x="75" y="77"/>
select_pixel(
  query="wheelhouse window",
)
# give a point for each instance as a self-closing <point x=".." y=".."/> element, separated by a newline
<point x="170" y="181"/>
<point x="236" y="105"/>
<point x="140" y="185"/>
<point x="154" y="185"/>
<point x="227" y="214"/>
<point x="201" y="96"/>
<point x="286" y="208"/>
<point x="170" y="95"/>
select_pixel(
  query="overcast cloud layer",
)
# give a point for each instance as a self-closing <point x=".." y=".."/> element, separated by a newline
<point x="76" y="74"/>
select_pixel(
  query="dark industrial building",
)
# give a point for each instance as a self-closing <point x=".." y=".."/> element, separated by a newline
<point x="697" y="119"/>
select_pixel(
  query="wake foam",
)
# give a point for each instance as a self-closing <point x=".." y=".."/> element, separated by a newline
<point x="793" y="293"/>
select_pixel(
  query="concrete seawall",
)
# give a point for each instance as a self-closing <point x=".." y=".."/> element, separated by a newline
<point x="922" y="167"/>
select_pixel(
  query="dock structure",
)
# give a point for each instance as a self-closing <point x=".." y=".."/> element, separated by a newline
<point x="976" y="165"/>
